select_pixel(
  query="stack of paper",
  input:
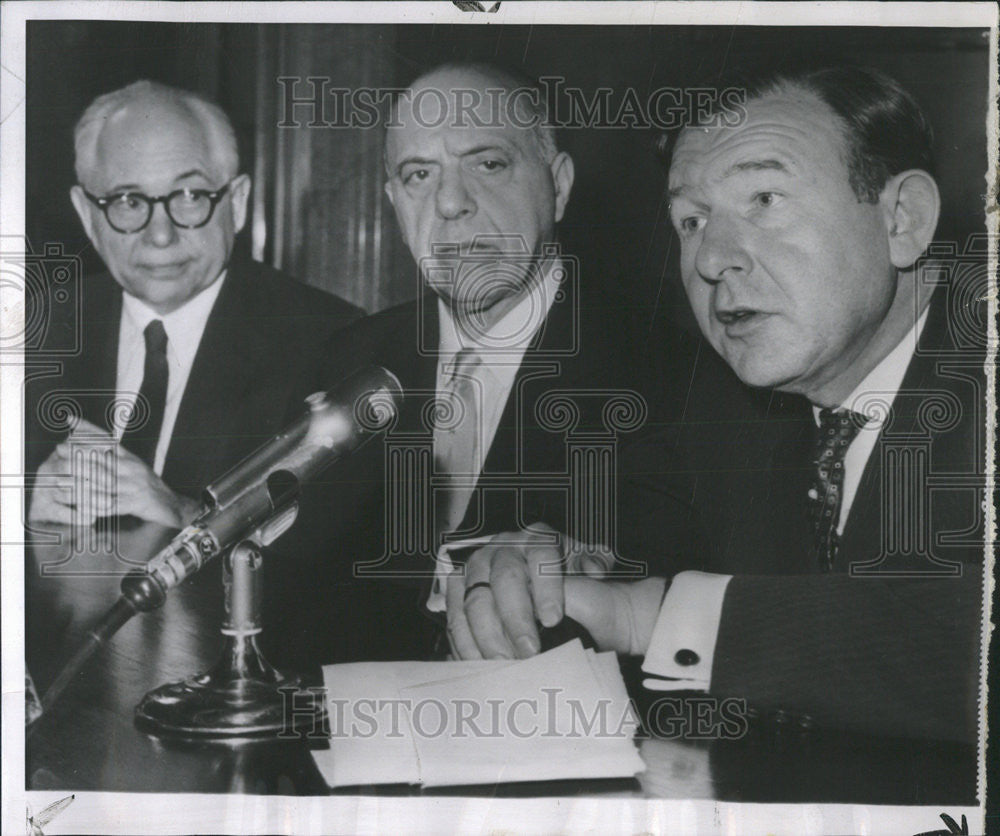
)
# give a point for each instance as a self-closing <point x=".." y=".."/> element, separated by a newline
<point x="561" y="714"/>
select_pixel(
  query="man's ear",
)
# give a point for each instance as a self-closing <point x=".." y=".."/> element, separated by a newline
<point x="83" y="208"/>
<point x="239" y="191"/>
<point x="562" y="179"/>
<point x="912" y="204"/>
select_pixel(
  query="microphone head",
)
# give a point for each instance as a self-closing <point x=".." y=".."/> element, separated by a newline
<point x="365" y="402"/>
<point x="338" y="421"/>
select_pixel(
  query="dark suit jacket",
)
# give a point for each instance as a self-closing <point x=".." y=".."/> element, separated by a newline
<point x="364" y="509"/>
<point x="258" y="358"/>
<point x="887" y="642"/>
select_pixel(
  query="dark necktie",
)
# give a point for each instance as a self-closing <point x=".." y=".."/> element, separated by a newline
<point x="837" y="429"/>
<point x="143" y="429"/>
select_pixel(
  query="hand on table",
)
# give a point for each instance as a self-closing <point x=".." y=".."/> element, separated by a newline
<point x="494" y="605"/>
<point x="124" y="486"/>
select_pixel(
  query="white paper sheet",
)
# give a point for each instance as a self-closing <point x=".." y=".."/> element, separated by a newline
<point x="562" y="714"/>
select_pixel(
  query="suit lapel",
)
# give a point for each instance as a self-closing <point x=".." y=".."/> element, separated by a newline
<point x="218" y="389"/>
<point x="863" y="536"/>
<point x="414" y="361"/>
<point x="521" y="446"/>
<point x="541" y="369"/>
<point x="786" y="510"/>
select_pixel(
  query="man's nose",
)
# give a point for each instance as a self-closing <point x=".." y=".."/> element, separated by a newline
<point x="453" y="198"/>
<point x="721" y="252"/>
<point x="160" y="231"/>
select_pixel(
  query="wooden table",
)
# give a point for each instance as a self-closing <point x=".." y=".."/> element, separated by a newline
<point x="88" y="740"/>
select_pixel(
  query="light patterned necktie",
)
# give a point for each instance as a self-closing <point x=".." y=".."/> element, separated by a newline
<point x="837" y="429"/>
<point x="457" y="438"/>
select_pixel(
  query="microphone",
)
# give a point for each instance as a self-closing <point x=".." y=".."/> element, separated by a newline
<point x="259" y="494"/>
<point x="255" y="498"/>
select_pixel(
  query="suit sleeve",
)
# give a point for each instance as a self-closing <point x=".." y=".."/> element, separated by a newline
<point x="892" y="656"/>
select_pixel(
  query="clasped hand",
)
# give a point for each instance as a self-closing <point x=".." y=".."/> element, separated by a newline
<point x="117" y="485"/>
<point x="519" y="579"/>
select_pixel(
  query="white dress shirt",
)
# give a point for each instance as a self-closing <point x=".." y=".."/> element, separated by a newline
<point x="872" y="397"/>
<point x="692" y="608"/>
<point x="184" y="327"/>
<point x="501" y="349"/>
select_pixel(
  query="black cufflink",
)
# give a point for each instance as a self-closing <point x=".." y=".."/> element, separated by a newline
<point x="686" y="657"/>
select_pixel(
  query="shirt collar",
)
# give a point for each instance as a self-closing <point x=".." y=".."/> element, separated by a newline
<point x="885" y="379"/>
<point x="184" y="326"/>
<point x="510" y="336"/>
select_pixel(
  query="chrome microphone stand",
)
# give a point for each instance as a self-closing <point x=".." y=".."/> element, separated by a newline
<point x="242" y="695"/>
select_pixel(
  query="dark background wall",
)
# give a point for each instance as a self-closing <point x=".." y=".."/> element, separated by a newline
<point x="319" y="211"/>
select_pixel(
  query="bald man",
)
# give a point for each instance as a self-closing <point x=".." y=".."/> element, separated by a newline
<point x="189" y="359"/>
<point x="509" y="336"/>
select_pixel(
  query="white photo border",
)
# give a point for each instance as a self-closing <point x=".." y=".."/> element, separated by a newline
<point x="100" y="812"/>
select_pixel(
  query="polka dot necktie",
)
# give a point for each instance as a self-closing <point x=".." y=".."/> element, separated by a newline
<point x="837" y="429"/>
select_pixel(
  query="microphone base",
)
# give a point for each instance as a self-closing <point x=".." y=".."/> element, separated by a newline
<point x="211" y="706"/>
<point x="242" y="696"/>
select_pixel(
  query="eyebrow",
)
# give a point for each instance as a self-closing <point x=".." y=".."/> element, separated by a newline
<point x="756" y="165"/>
<point x="470" y="152"/>
<point x="414" y="161"/>
<point x="479" y="149"/>
<point x="135" y="187"/>
<point x="194" y="172"/>
<point x="739" y="168"/>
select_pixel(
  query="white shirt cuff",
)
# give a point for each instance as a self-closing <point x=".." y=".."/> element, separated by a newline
<point x="443" y="566"/>
<point x="686" y="631"/>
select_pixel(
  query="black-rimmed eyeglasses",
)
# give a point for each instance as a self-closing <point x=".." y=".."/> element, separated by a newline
<point x="129" y="212"/>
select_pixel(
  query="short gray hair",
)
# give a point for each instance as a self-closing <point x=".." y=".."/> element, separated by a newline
<point x="214" y="120"/>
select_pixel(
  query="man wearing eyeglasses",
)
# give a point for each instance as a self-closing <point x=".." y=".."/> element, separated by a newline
<point x="188" y="360"/>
